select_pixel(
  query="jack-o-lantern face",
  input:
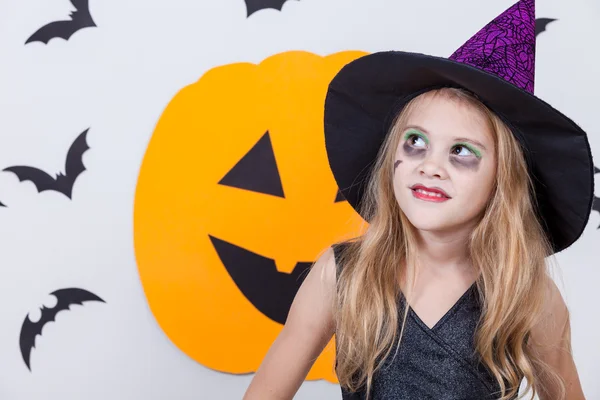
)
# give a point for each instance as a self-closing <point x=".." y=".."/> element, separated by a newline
<point x="234" y="202"/>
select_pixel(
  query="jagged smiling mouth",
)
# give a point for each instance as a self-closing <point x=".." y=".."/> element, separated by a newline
<point x="269" y="290"/>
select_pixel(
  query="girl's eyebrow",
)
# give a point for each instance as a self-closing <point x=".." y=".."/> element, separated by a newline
<point x="460" y="139"/>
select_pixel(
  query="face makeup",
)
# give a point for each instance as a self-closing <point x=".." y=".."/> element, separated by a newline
<point x="447" y="146"/>
<point x="468" y="156"/>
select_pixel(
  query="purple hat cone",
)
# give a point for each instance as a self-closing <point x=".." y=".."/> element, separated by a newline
<point x="505" y="47"/>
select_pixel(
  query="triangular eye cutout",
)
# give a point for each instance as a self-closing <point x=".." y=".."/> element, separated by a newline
<point x="257" y="170"/>
<point x="339" y="197"/>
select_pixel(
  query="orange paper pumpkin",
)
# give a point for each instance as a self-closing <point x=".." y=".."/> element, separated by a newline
<point x="234" y="202"/>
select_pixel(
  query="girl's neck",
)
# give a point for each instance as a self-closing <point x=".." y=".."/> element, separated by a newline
<point x="443" y="251"/>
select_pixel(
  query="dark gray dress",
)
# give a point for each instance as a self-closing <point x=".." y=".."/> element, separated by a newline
<point x="436" y="363"/>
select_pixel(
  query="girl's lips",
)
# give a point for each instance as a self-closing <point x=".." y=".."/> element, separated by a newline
<point x="426" y="197"/>
<point x="433" y="189"/>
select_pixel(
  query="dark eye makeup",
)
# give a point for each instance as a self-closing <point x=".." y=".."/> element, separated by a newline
<point x="410" y="148"/>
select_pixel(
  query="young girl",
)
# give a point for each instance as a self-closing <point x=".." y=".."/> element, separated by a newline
<point x="468" y="182"/>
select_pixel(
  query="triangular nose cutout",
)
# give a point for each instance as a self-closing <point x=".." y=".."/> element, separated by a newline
<point x="257" y="171"/>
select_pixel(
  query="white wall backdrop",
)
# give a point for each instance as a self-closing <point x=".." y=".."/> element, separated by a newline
<point x="116" y="79"/>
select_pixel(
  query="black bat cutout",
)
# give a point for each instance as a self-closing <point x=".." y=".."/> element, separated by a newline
<point x="63" y="183"/>
<point x="596" y="206"/>
<point x="80" y="18"/>
<point x="596" y="201"/>
<point x="541" y="24"/>
<point x="253" y="6"/>
<point x="65" y="299"/>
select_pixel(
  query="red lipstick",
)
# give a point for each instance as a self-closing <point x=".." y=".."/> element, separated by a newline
<point x="436" y="194"/>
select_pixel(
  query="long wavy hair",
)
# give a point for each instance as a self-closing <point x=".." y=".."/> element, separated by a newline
<point x="508" y="247"/>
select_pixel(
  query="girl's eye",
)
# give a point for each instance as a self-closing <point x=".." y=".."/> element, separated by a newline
<point x="411" y="139"/>
<point x="460" y="153"/>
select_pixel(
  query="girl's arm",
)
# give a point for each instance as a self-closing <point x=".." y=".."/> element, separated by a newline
<point x="308" y="329"/>
<point x="551" y="338"/>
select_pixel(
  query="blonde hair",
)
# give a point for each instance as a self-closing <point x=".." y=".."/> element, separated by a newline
<point x="508" y="247"/>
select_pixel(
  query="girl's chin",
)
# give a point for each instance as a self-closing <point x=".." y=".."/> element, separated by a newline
<point x="432" y="221"/>
<point x="439" y="222"/>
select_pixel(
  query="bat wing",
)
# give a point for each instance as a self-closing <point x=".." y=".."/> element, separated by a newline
<point x="81" y="5"/>
<point x="40" y="179"/>
<point x="69" y="296"/>
<point x="74" y="163"/>
<point x="596" y="205"/>
<point x="57" y="29"/>
<point x="81" y="18"/>
<point x="253" y="6"/>
<point x="541" y="24"/>
<point x="596" y="201"/>
<point x="30" y="330"/>
<point x="65" y="298"/>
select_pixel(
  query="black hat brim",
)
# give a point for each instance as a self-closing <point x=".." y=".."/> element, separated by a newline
<point x="366" y="94"/>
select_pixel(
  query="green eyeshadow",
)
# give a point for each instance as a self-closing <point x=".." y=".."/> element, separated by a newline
<point x="416" y="132"/>
<point x="471" y="148"/>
